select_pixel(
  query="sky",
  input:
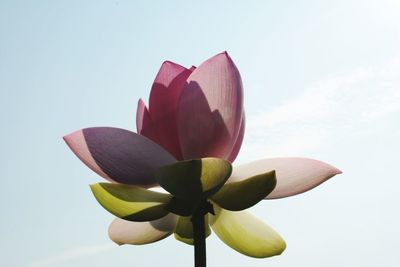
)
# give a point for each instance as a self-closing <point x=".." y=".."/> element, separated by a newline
<point x="321" y="80"/>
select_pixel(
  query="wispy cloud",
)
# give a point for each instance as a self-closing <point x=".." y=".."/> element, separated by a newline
<point x="339" y="106"/>
<point x="71" y="254"/>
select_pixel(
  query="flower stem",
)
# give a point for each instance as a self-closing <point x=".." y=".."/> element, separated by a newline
<point x="199" y="235"/>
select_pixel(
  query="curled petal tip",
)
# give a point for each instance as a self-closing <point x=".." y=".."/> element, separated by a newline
<point x="67" y="138"/>
<point x="224" y="54"/>
<point x="140" y="101"/>
<point x="333" y="170"/>
<point x="168" y="62"/>
<point x="75" y="140"/>
<point x="116" y="242"/>
<point x="227" y="55"/>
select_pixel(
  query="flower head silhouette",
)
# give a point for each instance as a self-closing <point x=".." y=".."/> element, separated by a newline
<point x="185" y="142"/>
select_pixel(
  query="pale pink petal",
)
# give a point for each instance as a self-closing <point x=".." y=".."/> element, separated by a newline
<point x="119" y="155"/>
<point x="239" y="140"/>
<point x="77" y="143"/>
<point x="210" y="109"/>
<point x="163" y="102"/>
<point x="293" y="175"/>
<point x="140" y="233"/>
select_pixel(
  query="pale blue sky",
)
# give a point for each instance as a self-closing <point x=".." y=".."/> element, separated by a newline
<point x="322" y="80"/>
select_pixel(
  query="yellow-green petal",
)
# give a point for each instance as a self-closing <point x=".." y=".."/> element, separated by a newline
<point x="243" y="194"/>
<point x="194" y="179"/>
<point x="131" y="203"/>
<point x="246" y="234"/>
<point x="184" y="229"/>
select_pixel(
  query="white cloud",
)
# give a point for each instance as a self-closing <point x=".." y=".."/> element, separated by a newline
<point x="340" y="106"/>
<point x="71" y="254"/>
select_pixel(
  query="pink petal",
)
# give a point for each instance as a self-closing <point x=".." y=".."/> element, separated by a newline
<point x="239" y="140"/>
<point x="142" y="116"/>
<point x="294" y="175"/>
<point x="139" y="233"/>
<point x="164" y="95"/>
<point x="144" y="124"/>
<point x="119" y="155"/>
<point x="210" y="109"/>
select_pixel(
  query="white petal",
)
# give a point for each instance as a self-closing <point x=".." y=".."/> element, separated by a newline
<point x="293" y="175"/>
<point x="140" y="233"/>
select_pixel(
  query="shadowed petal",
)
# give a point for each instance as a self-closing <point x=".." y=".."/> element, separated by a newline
<point x="244" y="194"/>
<point x="119" y="155"/>
<point x="140" y="233"/>
<point x="293" y="175"/>
<point x="210" y="109"/>
<point x="194" y="179"/>
<point x="163" y="102"/>
<point x="246" y="234"/>
<point x="184" y="230"/>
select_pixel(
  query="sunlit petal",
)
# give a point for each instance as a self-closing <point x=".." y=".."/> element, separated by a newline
<point x="246" y="234"/>
<point x="131" y="203"/>
<point x="165" y="92"/>
<point x="293" y="175"/>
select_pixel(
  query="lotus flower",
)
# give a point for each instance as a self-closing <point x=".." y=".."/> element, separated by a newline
<point x="185" y="142"/>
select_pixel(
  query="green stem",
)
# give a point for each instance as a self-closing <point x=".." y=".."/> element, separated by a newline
<point x="199" y="235"/>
